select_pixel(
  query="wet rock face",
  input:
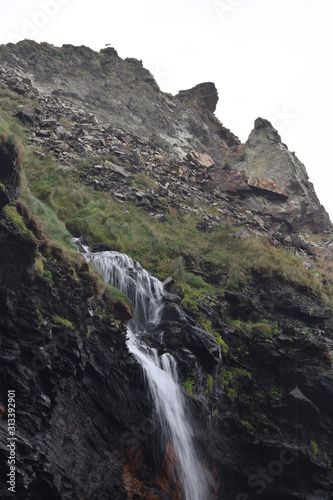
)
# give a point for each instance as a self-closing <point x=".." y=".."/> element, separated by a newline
<point x="17" y="251"/>
<point x="177" y="331"/>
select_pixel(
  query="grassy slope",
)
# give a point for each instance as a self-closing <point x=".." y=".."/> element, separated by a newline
<point x="161" y="247"/>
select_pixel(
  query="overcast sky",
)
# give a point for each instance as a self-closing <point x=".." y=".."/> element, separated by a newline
<point x="268" y="58"/>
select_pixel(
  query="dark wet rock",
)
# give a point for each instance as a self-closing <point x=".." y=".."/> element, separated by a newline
<point x="172" y="313"/>
<point x="100" y="247"/>
<point x="178" y="330"/>
<point x="57" y="374"/>
<point x="4" y="199"/>
<point x="296" y="305"/>
<point x="317" y="385"/>
<point x="9" y="170"/>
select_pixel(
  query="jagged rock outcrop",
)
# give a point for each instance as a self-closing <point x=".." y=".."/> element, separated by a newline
<point x="266" y="157"/>
<point x="203" y="96"/>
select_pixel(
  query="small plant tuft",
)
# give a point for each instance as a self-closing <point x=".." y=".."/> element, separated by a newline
<point x="232" y="394"/>
<point x="47" y="275"/>
<point x="63" y="321"/>
<point x="188" y="385"/>
<point x="314" y="447"/>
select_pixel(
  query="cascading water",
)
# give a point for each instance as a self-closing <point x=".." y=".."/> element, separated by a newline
<point x="146" y="293"/>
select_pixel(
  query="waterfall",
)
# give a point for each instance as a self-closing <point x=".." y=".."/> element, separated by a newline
<point x="146" y="293"/>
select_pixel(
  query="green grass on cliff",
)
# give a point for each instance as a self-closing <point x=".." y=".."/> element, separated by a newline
<point x="161" y="247"/>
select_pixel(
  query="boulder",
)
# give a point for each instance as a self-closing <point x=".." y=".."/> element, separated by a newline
<point x="233" y="182"/>
<point x="27" y="114"/>
<point x="118" y="169"/>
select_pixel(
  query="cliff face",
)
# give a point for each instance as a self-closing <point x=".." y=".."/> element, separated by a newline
<point x="238" y="229"/>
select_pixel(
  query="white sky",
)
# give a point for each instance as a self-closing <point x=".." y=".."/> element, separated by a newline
<point x="268" y="58"/>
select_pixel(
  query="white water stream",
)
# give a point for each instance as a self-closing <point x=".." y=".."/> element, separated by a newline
<point x="146" y="293"/>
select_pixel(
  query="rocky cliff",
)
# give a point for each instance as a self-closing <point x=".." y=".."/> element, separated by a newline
<point x="94" y="81"/>
<point x="89" y="145"/>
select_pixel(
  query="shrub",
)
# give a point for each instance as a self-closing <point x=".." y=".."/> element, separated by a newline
<point x="234" y="380"/>
<point x="176" y="268"/>
<point x="262" y="327"/>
